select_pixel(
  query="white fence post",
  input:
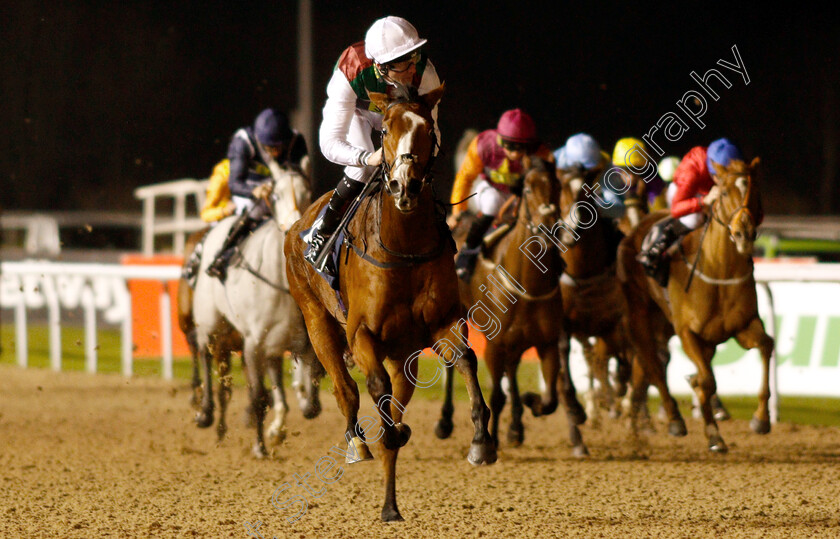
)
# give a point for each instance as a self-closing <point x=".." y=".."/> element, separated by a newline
<point x="53" y="322"/>
<point x="21" y="341"/>
<point x="91" y="344"/>
<point x="166" y="332"/>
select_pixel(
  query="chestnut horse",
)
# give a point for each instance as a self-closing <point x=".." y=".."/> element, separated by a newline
<point x="716" y="303"/>
<point x="400" y="291"/>
<point x="522" y="295"/>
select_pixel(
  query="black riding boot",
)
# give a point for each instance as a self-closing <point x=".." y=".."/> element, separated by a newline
<point x="660" y="238"/>
<point x="342" y="197"/>
<point x="239" y="229"/>
<point x="468" y="255"/>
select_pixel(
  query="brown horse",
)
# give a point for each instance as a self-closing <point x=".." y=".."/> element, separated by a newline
<point x="714" y="304"/>
<point x="515" y="282"/>
<point x="400" y="290"/>
<point x="593" y="298"/>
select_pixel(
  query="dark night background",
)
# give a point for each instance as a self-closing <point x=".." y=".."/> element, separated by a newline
<point x="100" y="97"/>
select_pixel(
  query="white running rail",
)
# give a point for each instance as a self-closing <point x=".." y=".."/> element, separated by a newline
<point x="179" y="224"/>
<point x="94" y="287"/>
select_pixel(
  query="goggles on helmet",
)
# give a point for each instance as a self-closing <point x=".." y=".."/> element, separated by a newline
<point x="408" y="60"/>
<point x="512" y="146"/>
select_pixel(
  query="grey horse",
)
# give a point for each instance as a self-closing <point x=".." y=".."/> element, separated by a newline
<point x="254" y="302"/>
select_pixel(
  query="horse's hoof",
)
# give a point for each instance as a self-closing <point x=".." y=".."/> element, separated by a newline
<point x="204" y="419"/>
<point x="311" y="410"/>
<point x="677" y="427"/>
<point x="404" y="433"/>
<point x="614" y="413"/>
<point x="443" y="429"/>
<point x="481" y="454"/>
<point x="534" y="402"/>
<point x="515" y="437"/>
<point x="580" y="451"/>
<point x="277" y="434"/>
<point x="361" y="451"/>
<point x="259" y="451"/>
<point x="391" y="514"/>
<point x="221" y="430"/>
<point x="717" y="445"/>
<point x="760" y="426"/>
<point x="576" y="414"/>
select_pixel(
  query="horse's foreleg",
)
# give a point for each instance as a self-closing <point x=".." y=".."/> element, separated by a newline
<point x="575" y="415"/>
<point x="444" y="426"/>
<point x="368" y="357"/>
<point x="550" y="367"/>
<point x="195" y="382"/>
<point x="482" y="448"/>
<point x="277" y="429"/>
<point x="403" y="389"/>
<point x="224" y="391"/>
<point x="591" y="405"/>
<point x="204" y="417"/>
<point x="516" y="431"/>
<point x="574" y="410"/>
<point x="701" y="353"/>
<point x="494" y="360"/>
<point x="755" y="337"/>
<point x="254" y="368"/>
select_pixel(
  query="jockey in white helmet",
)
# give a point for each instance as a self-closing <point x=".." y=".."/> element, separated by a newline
<point x="389" y="56"/>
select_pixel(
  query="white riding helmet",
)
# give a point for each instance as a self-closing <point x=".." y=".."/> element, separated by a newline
<point x="391" y="37"/>
<point x="583" y="149"/>
<point x="667" y="168"/>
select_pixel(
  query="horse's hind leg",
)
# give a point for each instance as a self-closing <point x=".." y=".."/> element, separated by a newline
<point x="755" y="337"/>
<point x="307" y="379"/>
<point x="647" y="358"/>
<point x="701" y="353"/>
<point x="550" y="367"/>
<point x="277" y="429"/>
<point x="329" y="346"/>
<point x="444" y="426"/>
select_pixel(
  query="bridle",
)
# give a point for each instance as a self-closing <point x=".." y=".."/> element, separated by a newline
<point x="733" y="215"/>
<point x="406" y="158"/>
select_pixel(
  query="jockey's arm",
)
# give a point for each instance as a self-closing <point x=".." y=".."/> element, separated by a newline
<point x="338" y="113"/>
<point x="689" y="179"/>
<point x="470" y="169"/>
<point x="239" y="154"/>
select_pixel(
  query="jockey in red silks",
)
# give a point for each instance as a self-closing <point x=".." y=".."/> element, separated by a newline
<point x="692" y="190"/>
<point x="389" y="56"/>
<point x="494" y="157"/>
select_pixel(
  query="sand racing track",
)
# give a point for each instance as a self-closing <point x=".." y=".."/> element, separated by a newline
<point x="102" y="456"/>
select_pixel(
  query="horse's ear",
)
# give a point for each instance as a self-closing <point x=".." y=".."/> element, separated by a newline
<point x="755" y="163"/>
<point x="380" y="100"/>
<point x="433" y="97"/>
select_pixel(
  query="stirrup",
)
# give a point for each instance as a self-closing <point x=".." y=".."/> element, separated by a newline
<point x="316" y="243"/>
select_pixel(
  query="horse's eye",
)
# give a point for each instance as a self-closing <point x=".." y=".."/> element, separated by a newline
<point x="527" y="190"/>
